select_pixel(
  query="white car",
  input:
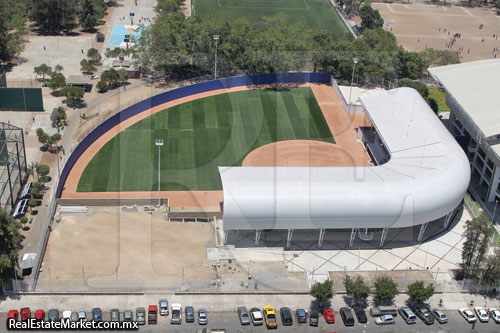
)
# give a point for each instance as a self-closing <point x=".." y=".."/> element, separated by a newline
<point x="481" y="314"/>
<point x="82" y="316"/>
<point x="494" y="314"/>
<point x="67" y="315"/>
<point x="468" y="315"/>
<point x="385" y="320"/>
<point x="256" y="316"/>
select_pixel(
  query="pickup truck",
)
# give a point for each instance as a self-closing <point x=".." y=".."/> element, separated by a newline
<point x="152" y="314"/>
<point x="176" y="314"/>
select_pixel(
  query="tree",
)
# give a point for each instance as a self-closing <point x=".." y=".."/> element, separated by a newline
<point x="110" y="76"/>
<point x="418" y="293"/>
<point x="42" y="70"/>
<point x="477" y="235"/>
<point x="491" y="273"/>
<point x="322" y="291"/>
<point x="58" y="69"/>
<point x="88" y="15"/>
<point x="55" y="138"/>
<point x="43" y="137"/>
<point x="87" y="67"/>
<point x="371" y="18"/>
<point x="74" y="95"/>
<point x="94" y="56"/>
<point x="123" y="75"/>
<point x="57" y="81"/>
<point x="356" y="289"/>
<point x="42" y="170"/>
<point x="6" y="50"/>
<point x="385" y="289"/>
<point x="61" y="116"/>
<point x="10" y="243"/>
<point x="102" y="86"/>
<point x="53" y="15"/>
<point x="418" y="86"/>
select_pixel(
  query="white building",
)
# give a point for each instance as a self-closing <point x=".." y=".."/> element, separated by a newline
<point x="423" y="179"/>
<point x="473" y="89"/>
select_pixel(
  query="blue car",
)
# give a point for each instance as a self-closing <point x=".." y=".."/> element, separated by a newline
<point x="301" y="316"/>
<point x="97" y="314"/>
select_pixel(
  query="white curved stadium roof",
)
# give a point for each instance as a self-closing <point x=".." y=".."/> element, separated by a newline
<point x="425" y="178"/>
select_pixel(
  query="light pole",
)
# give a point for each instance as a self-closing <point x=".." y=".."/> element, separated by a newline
<point x="159" y="143"/>
<point x="216" y="38"/>
<point x="355" y="60"/>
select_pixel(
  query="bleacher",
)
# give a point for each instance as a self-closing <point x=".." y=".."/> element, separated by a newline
<point x="21" y="208"/>
<point x="25" y="191"/>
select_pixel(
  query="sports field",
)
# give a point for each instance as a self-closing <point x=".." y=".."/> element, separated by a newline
<point x="201" y="135"/>
<point x="317" y="14"/>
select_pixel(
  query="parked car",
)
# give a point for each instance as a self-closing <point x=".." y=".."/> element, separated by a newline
<point x="385" y="320"/>
<point x="67" y="315"/>
<point x="329" y="316"/>
<point x="81" y="315"/>
<point x="347" y="316"/>
<point x="361" y="315"/>
<point x="494" y="314"/>
<point x="40" y="315"/>
<point x="383" y="310"/>
<point x="12" y="315"/>
<point x="243" y="315"/>
<point x="25" y="314"/>
<point x="439" y="315"/>
<point x="270" y="317"/>
<point x="202" y="317"/>
<point x="97" y="314"/>
<point x="152" y="314"/>
<point x="424" y="314"/>
<point x="140" y="315"/>
<point x="286" y="316"/>
<point x="256" y="316"/>
<point x="127" y="315"/>
<point x="163" y="305"/>
<point x="313" y="318"/>
<point x="407" y="315"/>
<point x="115" y="315"/>
<point x="481" y="314"/>
<point x="468" y="315"/>
<point x="301" y="316"/>
<point x="176" y="314"/>
<point x="53" y="315"/>
<point x="189" y="314"/>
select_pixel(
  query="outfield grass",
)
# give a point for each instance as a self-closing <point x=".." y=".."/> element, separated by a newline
<point x="201" y="135"/>
<point x="440" y="97"/>
<point x="317" y="14"/>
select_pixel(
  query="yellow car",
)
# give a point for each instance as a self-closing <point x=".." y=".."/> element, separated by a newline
<point x="270" y="317"/>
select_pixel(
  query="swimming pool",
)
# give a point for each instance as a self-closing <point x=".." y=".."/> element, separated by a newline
<point x="119" y="31"/>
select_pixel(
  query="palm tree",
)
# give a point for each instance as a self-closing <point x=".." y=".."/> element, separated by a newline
<point x="58" y="69"/>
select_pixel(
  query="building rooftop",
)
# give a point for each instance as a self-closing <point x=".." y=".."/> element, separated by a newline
<point x="475" y="87"/>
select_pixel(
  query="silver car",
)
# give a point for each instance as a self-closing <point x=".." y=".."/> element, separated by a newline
<point x="439" y="315"/>
<point x="202" y="317"/>
<point x="243" y="315"/>
<point x="163" y="305"/>
<point x="385" y="320"/>
<point x="82" y="316"/>
<point x="408" y="315"/>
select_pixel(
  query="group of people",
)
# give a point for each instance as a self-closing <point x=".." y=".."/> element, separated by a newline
<point x="453" y="39"/>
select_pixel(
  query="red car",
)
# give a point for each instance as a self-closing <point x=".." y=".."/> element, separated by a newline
<point x="13" y="314"/>
<point x="40" y="315"/>
<point x="25" y="314"/>
<point x="329" y="316"/>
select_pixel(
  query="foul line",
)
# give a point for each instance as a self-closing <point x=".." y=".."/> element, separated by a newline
<point x="465" y="10"/>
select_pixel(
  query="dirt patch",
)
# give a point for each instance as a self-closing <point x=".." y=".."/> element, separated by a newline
<point x="412" y="275"/>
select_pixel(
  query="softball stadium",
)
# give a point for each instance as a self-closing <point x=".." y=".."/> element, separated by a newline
<point x="279" y="152"/>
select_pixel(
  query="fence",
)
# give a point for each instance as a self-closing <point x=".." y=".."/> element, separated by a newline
<point x="472" y="206"/>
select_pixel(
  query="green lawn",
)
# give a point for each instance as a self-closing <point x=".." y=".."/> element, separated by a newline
<point x="317" y="14"/>
<point x="201" y="135"/>
<point x="440" y="97"/>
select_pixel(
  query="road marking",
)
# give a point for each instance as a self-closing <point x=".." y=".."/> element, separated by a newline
<point x="389" y="7"/>
<point x="465" y="10"/>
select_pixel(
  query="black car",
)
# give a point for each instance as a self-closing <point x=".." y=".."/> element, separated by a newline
<point x="189" y="314"/>
<point x="361" y="315"/>
<point x="424" y="314"/>
<point x="286" y="316"/>
<point x="347" y="316"/>
<point x="96" y="315"/>
<point x="313" y="318"/>
<point x="301" y="316"/>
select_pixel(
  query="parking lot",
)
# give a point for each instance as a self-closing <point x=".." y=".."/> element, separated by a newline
<point x="230" y="322"/>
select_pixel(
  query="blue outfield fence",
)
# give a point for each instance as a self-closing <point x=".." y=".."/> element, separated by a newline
<point x="238" y="81"/>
